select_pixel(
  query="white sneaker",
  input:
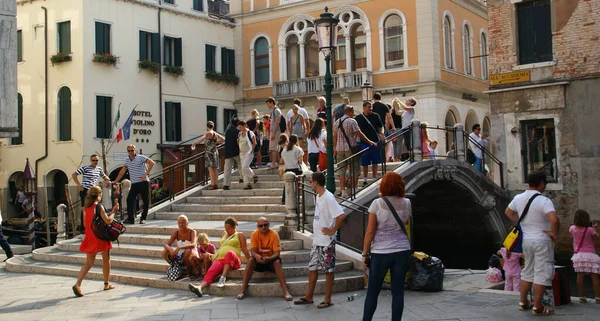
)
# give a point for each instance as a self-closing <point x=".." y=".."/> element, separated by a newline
<point x="221" y="282"/>
<point x="344" y="195"/>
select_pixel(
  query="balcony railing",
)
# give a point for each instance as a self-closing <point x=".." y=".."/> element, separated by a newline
<point x="310" y="85"/>
<point x="218" y="7"/>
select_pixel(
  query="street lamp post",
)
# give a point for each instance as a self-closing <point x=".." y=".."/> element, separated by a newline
<point x="327" y="35"/>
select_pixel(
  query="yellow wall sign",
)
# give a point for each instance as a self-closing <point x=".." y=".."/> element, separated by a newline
<point x="509" y="78"/>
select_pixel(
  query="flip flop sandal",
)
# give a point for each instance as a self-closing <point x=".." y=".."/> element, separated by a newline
<point x="525" y="306"/>
<point x="240" y="296"/>
<point x="303" y="301"/>
<point x="582" y="300"/>
<point x="545" y="311"/>
<point x="288" y="297"/>
<point x="77" y="291"/>
<point x="324" y="305"/>
<point x="108" y="286"/>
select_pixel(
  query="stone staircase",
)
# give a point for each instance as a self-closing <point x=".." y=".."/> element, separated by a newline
<point x="137" y="258"/>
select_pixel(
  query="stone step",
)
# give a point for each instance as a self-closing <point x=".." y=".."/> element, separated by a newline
<point x="238" y="199"/>
<point x="229" y="208"/>
<point x="152" y="245"/>
<point x="261" y="177"/>
<point x="344" y="281"/>
<point x="53" y="254"/>
<point x="18" y="249"/>
<point x="210" y="227"/>
<point x="259" y="185"/>
<point x="242" y="192"/>
<point x="219" y="217"/>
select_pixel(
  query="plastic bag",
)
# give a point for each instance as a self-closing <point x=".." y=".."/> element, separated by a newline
<point x="493" y="275"/>
<point x="427" y="274"/>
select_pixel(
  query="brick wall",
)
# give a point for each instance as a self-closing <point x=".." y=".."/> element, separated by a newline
<point x="575" y="37"/>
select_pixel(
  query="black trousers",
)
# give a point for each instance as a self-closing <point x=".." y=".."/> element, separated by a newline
<point x="137" y="188"/>
<point x="5" y="246"/>
<point x="82" y="195"/>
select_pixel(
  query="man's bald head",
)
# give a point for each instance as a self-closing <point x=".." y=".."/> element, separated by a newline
<point x="263" y="224"/>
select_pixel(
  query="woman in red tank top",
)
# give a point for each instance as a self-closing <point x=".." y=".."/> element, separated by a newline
<point x="91" y="245"/>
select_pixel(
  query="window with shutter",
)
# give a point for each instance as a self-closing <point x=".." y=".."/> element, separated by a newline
<point x="19" y="139"/>
<point x="224" y="61"/>
<point x="149" y="46"/>
<point x="198" y="5"/>
<point x="102" y="37"/>
<point x="172" y="51"/>
<point x="177" y="52"/>
<point x="155" y="47"/>
<point x="210" y="58"/>
<point x="64" y="114"/>
<point x="261" y="61"/>
<point x="64" y="37"/>
<point x="173" y="121"/>
<point x="103" y="116"/>
<point x="19" y="46"/>
<point x="144" y="50"/>
<point x="534" y="31"/>
<point x="211" y="114"/>
<point x="228" y="115"/>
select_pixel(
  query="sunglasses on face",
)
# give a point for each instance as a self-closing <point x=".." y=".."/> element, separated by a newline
<point x="263" y="225"/>
<point x="94" y="160"/>
<point x="130" y="151"/>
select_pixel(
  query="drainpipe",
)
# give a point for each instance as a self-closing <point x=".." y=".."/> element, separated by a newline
<point x="45" y="96"/>
<point x="160" y="89"/>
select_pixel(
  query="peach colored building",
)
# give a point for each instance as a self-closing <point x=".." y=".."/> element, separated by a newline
<point x="433" y="50"/>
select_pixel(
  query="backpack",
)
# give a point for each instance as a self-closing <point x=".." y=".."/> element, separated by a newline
<point x="338" y="111"/>
<point x="282" y="121"/>
<point x="470" y="156"/>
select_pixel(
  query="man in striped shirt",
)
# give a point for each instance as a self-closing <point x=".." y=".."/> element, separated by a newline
<point x="138" y="174"/>
<point x="90" y="173"/>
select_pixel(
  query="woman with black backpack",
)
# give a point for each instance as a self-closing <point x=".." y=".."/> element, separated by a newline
<point x="91" y="245"/>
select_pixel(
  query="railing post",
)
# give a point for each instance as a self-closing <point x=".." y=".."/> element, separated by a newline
<point x="416" y="140"/>
<point x="291" y="203"/>
<point x="459" y="144"/>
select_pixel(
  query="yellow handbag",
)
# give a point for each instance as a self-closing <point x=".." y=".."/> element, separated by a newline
<point x="513" y="241"/>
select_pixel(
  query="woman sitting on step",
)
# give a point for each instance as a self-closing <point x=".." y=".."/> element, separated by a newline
<point x="185" y="250"/>
<point x="227" y="258"/>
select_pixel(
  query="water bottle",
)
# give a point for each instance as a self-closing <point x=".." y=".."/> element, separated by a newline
<point x="352" y="297"/>
<point x="193" y="147"/>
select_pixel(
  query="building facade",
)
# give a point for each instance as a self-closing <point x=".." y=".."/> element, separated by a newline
<point x="434" y="50"/>
<point x="69" y="98"/>
<point x="545" y="68"/>
<point x="8" y="65"/>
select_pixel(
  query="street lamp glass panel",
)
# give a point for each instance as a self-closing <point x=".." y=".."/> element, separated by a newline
<point x="325" y="35"/>
<point x="367" y="91"/>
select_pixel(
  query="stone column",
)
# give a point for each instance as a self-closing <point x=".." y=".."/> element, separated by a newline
<point x="8" y="65"/>
<point x="61" y="210"/>
<point x="348" y="55"/>
<point x="290" y="224"/>
<point x="302" y="61"/>
<point x="459" y="144"/>
<point x="416" y="140"/>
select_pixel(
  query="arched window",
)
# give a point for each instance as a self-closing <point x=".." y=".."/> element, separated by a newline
<point x="293" y="57"/>
<point x="483" y="49"/>
<point x="358" y="41"/>
<point x="394" y="43"/>
<point x="64" y="114"/>
<point x="261" y="62"/>
<point x="19" y="139"/>
<point x="467" y="49"/>
<point x="448" y="42"/>
<point x="311" y="55"/>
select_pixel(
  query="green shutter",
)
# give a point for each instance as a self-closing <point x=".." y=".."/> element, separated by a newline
<point x="198" y="5"/>
<point x="103" y="116"/>
<point x="19" y="139"/>
<point x="107" y="38"/>
<point x="143" y="45"/>
<point x="166" y="51"/>
<point x="64" y="37"/>
<point x="543" y="31"/>
<point x="231" y="54"/>
<point x="169" y="121"/>
<point x="155" y="41"/>
<point x="224" y="58"/>
<point x="19" y="45"/>
<point x="64" y="114"/>
<point x="99" y="36"/>
<point x="210" y="57"/>
<point x="178" y="53"/>
<point x="177" y="121"/>
<point x="211" y="114"/>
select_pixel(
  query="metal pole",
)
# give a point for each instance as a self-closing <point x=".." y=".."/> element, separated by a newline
<point x="48" y="239"/>
<point x="328" y="88"/>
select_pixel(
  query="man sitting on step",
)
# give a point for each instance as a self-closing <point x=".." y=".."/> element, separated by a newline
<point x="265" y="247"/>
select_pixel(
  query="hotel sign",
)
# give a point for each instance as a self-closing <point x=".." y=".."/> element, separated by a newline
<point x="510" y="78"/>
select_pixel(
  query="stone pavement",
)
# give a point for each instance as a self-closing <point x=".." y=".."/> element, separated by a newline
<point x="45" y="297"/>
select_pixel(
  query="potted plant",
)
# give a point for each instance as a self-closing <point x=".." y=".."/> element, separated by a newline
<point x="60" y="57"/>
<point x="175" y="70"/>
<point x="151" y="66"/>
<point x="225" y="78"/>
<point x="106" y="58"/>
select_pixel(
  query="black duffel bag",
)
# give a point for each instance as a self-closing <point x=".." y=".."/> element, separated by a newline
<point x="427" y="275"/>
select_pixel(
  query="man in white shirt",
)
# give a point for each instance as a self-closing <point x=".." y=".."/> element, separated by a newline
<point x="327" y="220"/>
<point x="408" y="113"/>
<point x="481" y="140"/>
<point x="4" y="244"/>
<point x="539" y="229"/>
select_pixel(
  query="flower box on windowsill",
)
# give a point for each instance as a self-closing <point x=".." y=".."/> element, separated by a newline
<point x="151" y="66"/>
<point x="106" y="58"/>
<point x="219" y="77"/>
<point x="176" y="71"/>
<point x="59" y="58"/>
